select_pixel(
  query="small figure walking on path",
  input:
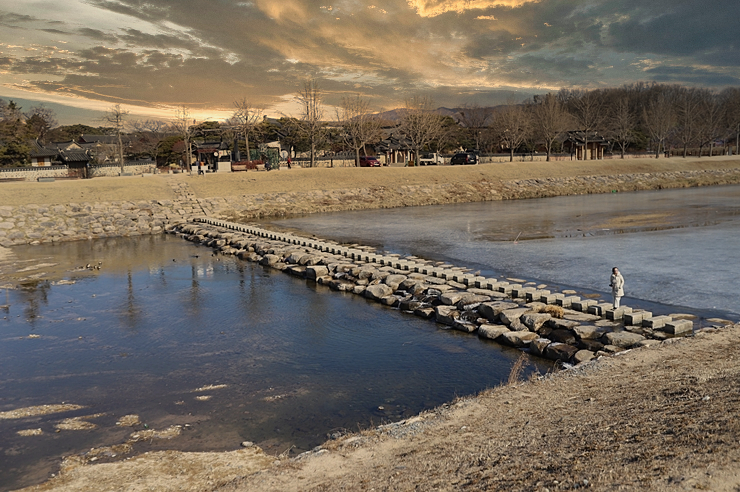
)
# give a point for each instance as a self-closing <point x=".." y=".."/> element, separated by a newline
<point x="617" y="285"/>
<point x="288" y="162"/>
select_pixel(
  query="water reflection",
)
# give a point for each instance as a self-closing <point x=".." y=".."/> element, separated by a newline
<point x="298" y="361"/>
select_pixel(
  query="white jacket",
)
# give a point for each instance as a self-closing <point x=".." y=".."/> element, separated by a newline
<point x="617" y="282"/>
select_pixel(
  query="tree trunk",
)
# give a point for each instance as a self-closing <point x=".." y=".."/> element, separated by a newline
<point x="548" y="154"/>
<point x="511" y="155"/>
<point x="357" y="157"/>
<point x="246" y="142"/>
<point x="120" y="152"/>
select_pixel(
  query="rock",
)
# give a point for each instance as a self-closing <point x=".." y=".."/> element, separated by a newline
<point x="562" y="324"/>
<point x="534" y="321"/>
<point x="648" y="343"/>
<point x="623" y="339"/>
<point x="315" y="271"/>
<point x="269" y="260"/>
<point x="492" y="332"/>
<point x="464" y="326"/>
<point x="471" y="301"/>
<point x="560" y="351"/>
<point x="509" y="315"/>
<point x="425" y="312"/>
<point x="592" y="345"/>
<point x="394" y="281"/>
<point x="452" y="297"/>
<point x="583" y="356"/>
<point x="378" y="291"/>
<point x="517" y="325"/>
<point x="563" y="336"/>
<point x="589" y="332"/>
<point x="517" y="338"/>
<point x="538" y="346"/>
<point x="447" y="315"/>
<point x="492" y="310"/>
<point x="583" y="317"/>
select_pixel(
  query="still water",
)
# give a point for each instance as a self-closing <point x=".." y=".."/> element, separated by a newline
<point x="677" y="249"/>
<point x="163" y="318"/>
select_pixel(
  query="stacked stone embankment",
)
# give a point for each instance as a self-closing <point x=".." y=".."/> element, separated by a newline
<point x="559" y="326"/>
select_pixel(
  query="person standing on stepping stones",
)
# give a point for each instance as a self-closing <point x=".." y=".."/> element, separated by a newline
<point x="617" y="285"/>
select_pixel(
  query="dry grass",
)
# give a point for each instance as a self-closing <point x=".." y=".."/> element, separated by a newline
<point x="517" y="369"/>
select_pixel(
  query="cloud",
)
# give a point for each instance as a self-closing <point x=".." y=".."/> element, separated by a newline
<point x="433" y="8"/>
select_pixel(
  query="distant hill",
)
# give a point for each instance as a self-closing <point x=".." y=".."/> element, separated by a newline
<point x="397" y="114"/>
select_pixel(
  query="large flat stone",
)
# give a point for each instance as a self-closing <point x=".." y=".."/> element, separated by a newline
<point x="583" y="305"/>
<point x="534" y="321"/>
<point x="492" y="332"/>
<point x="617" y="313"/>
<point x="656" y="322"/>
<point x="560" y="351"/>
<point x="492" y="310"/>
<point x="518" y="338"/>
<point x="623" y="339"/>
<point x="508" y="316"/>
<point x="635" y="318"/>
<point x="679" y="327"/>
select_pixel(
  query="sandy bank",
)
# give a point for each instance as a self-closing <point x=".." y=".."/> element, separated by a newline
<point x="158" y="187"/>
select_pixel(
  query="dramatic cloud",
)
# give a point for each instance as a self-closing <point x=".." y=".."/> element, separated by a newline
<point x="160" y="54"/>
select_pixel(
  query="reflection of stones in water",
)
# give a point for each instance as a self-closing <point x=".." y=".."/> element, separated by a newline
<point x="147" y="434"/>
<point x="203" y="397"/>
<point x="209" y="387"/>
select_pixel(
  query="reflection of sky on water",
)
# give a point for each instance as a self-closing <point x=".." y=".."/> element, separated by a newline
<point x="675" y="247"/>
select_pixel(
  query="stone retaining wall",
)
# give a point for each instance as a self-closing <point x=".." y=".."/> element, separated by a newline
<point x="33" y="173"/>
<point x="559" y="326"/>
<point x="32" y="224"/>
<point x="115" y="169"/>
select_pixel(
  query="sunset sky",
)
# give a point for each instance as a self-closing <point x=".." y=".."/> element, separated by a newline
<point x="79" y="57"/>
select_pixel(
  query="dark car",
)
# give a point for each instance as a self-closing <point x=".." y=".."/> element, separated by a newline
<point x="464" y="158"/>
<point x="368" y="161"/>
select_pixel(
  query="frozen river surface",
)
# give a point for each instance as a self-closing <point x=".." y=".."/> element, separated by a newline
<point x="678" y="248"/>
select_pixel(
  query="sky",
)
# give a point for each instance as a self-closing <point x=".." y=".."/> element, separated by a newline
<point x="81" y="57"/>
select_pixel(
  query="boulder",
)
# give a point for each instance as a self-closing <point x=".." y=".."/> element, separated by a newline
<point x="296" y="270"/>
<point x="269" y="260"/>
<point x="394" y="281"/>
<point x="315" y="271"/>
<point x="679" y="327"/>
<point x="425" y="312"/>
<point x="447" y="315"/>
<point x="538" y="346"/>
<point x="491" y="332"/>
<point x="583" y="356"/>
<point x="517" y="325"/>
<point x="562" y="324"/>
<point x="452" y="297"/>
<point x="534" y="321"/>
<point x="517" y="338"/>
<point x="589" y="332"/>
<point x="492" y="310"/>
<point x="623" y="339"/>
<point x="464" y="326"/>
<point x="592" y="345"/>
<point x="560" y="351"/>
<point x="378" y="291"/>
<point x="509" y="315"/>
<point x="563" y="336"/>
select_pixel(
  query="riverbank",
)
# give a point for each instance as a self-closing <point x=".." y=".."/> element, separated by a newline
<point x="36" y="213"/>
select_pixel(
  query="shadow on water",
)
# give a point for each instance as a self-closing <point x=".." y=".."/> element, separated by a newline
<point x="235" y="351"/>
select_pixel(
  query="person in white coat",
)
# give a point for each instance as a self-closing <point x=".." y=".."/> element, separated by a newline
<point x="617" y="285"/>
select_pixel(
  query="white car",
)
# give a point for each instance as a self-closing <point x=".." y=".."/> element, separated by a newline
<point x="430" y="158"/>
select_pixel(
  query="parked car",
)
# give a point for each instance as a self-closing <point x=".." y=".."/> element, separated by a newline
<point x="464" y="158"/>
<point x="369" y="161"/>
<point x="430" y="158"/>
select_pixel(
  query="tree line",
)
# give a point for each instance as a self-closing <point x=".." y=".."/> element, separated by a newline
<point x="635" y="117"/>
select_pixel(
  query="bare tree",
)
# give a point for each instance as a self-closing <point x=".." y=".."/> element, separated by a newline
<point x="659" y="119"/>
<point x="420" y="124"/>
<point x="621" y="124"/>
<point x="550" y="120"/>
<point x="731" y="101"/>
<point x="181" y="125"/>
<point x="359" y="127"/>
<point x="245" y="118"/>
<point x="149" y="135"/>
<point x="39" y="121"/>
<point x="476" y="120"/>
<point x="712" y="114"/>
<point x="116" y="116"/>
<point x="587" y="107"/>
<point x="311" y="98"/>
<point x="687" y="103"/>
<point x="512" y="126"/>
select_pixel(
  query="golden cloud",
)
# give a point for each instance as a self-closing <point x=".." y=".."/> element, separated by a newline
<point x="433" y="8"/>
